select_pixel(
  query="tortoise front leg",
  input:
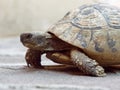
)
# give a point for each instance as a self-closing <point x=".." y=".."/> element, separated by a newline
<point x="33" y="58"/>
<point x="86" y="64"/>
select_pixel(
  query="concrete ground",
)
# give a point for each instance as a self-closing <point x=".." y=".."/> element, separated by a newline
<point x="15" y="75"/>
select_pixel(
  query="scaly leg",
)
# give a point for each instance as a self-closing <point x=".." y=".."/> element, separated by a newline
<point x="86" y="64"/>
<point x="33" y="58"/>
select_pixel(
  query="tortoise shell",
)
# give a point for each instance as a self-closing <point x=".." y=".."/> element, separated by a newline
<point x="93" y="28"/>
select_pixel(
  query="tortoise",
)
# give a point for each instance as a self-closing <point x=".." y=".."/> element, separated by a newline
<point x="87" y="37"/>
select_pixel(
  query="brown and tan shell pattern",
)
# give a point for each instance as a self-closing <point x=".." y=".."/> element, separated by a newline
<point x="95" y="29"/>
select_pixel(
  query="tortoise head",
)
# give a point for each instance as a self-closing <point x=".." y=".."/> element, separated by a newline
<point x="35" y="41"/>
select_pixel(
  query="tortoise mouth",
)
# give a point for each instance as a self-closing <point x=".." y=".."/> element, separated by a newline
<point x="34" y="47"/>
<point x="29" y="45"/>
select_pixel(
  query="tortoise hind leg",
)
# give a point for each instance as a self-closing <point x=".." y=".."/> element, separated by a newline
<point x="86" y="64"/>
<point x="33" y="58"/>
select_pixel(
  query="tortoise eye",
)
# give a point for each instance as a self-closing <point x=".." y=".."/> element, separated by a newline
<point x="28" y="36"/>
<point x="25" y="36"/>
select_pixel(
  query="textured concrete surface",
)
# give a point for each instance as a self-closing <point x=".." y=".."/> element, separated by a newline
<point x="14" y="75"/>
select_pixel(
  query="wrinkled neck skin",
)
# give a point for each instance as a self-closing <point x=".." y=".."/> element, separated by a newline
<point x="44" y="42"/>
